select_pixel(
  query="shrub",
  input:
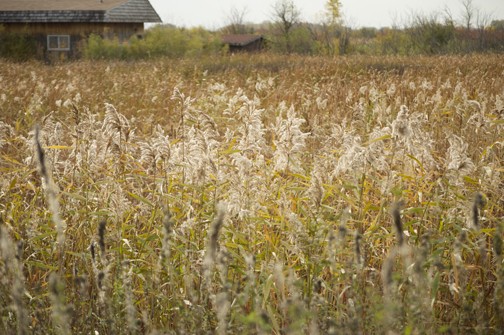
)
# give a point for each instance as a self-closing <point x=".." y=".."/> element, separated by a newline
<point x="17" y="46"/>
<point x="100" y="48"/>
<point x="159" y="41"/>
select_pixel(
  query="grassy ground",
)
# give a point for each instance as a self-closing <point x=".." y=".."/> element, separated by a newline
<point x="260" y="195"/>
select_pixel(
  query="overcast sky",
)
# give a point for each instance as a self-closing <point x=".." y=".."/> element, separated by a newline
<point x="358" y="13"/>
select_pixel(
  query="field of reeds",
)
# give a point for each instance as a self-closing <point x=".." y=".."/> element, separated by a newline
<point x="253" y="195"/>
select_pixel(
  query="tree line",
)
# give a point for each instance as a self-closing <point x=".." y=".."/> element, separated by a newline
<point x="286" y="32"/>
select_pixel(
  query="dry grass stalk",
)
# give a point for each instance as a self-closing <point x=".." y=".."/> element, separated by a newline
<point x="12" y="270"/>
<point x="396" y="219"/>
<point x="475" y="210"/>
<point x="51" y="192"/>
<point x="212" y="246"/>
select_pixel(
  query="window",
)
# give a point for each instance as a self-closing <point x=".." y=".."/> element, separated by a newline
<point x="58" y="42"/>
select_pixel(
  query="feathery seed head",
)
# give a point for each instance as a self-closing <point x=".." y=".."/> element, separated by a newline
<point x="358" y="254"/>
<point x="93" y="251"/>
<point x="342" y="232"/>
<point x="20" y="248"/>
<point x="167" y="231"/>
<point x="101" y="277"/>
<point x="387" y="272"/>
<point x="101" y="236"/>
<point x="401" y="125"/>
<point x="316" y="190"/>
<point x="396" y="218"/>
<point x="212" y="242"/>
<point x="60" y="312"/>
<point x="458" y="159"/>
<point x="215" y="228"/>
<point x="317" y="285"/>
<point x="40" y="154"/>
<point x="477" y="204"/>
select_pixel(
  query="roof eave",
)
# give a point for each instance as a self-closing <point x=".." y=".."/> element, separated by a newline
<point x="69" y="17"/>
<point x="244" y="43"/>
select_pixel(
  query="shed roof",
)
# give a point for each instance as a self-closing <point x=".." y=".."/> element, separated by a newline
<point x="77" y="11"/>
<point x="240" y="39"/>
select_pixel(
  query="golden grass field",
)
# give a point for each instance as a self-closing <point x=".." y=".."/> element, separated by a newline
<point x="253" y="195"/>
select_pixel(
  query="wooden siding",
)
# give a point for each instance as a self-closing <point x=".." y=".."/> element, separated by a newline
<point x="77" y="19"/>
<point x="77" y="32"/>
<point x="121" y="30"/>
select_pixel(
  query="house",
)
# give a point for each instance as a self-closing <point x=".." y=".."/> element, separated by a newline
<point x="59" y="26"/>
<point x="244" y="42"/>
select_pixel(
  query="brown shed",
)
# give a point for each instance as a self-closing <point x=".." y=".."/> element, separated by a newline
<point x="244" y="42"/>
<point x="59" y="25"/>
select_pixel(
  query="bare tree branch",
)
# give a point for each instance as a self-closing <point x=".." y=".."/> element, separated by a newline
<point x="286" y="15"/>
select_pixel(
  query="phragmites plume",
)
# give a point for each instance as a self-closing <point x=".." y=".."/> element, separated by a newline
<point x="396" y="218"/>
<point x="358" y="253"/>
<point x="345" y="217"/>
<point x="250" y="128"/>
<point x="93" y="252"/>
<point x="167" y="231"/>
<point x="289" y="139"/>
<point x="213" y="241"/>
<point x="401" y="127"/>
<point x="131" y="311"/>
<point x="477" y="204"/>
<point x="387" y="272"/>
<point x="40" y="154"/>
<point x="60" y="312"/>
<point x="116" y="127"/>
<point x="457" y="157"/>
<point x="316" y="189"/>
<point x="101" y="266"/>
<point x="157" y="150"/>
<point x="410" y="137"/>
<point x="213" y="234"/>
<point x="6" y="131"/>
<point x="101" y="237"/>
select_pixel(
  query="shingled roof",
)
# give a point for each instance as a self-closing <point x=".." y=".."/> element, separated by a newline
<point x="125" y="11"/>
<point x="240" y="39"/>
